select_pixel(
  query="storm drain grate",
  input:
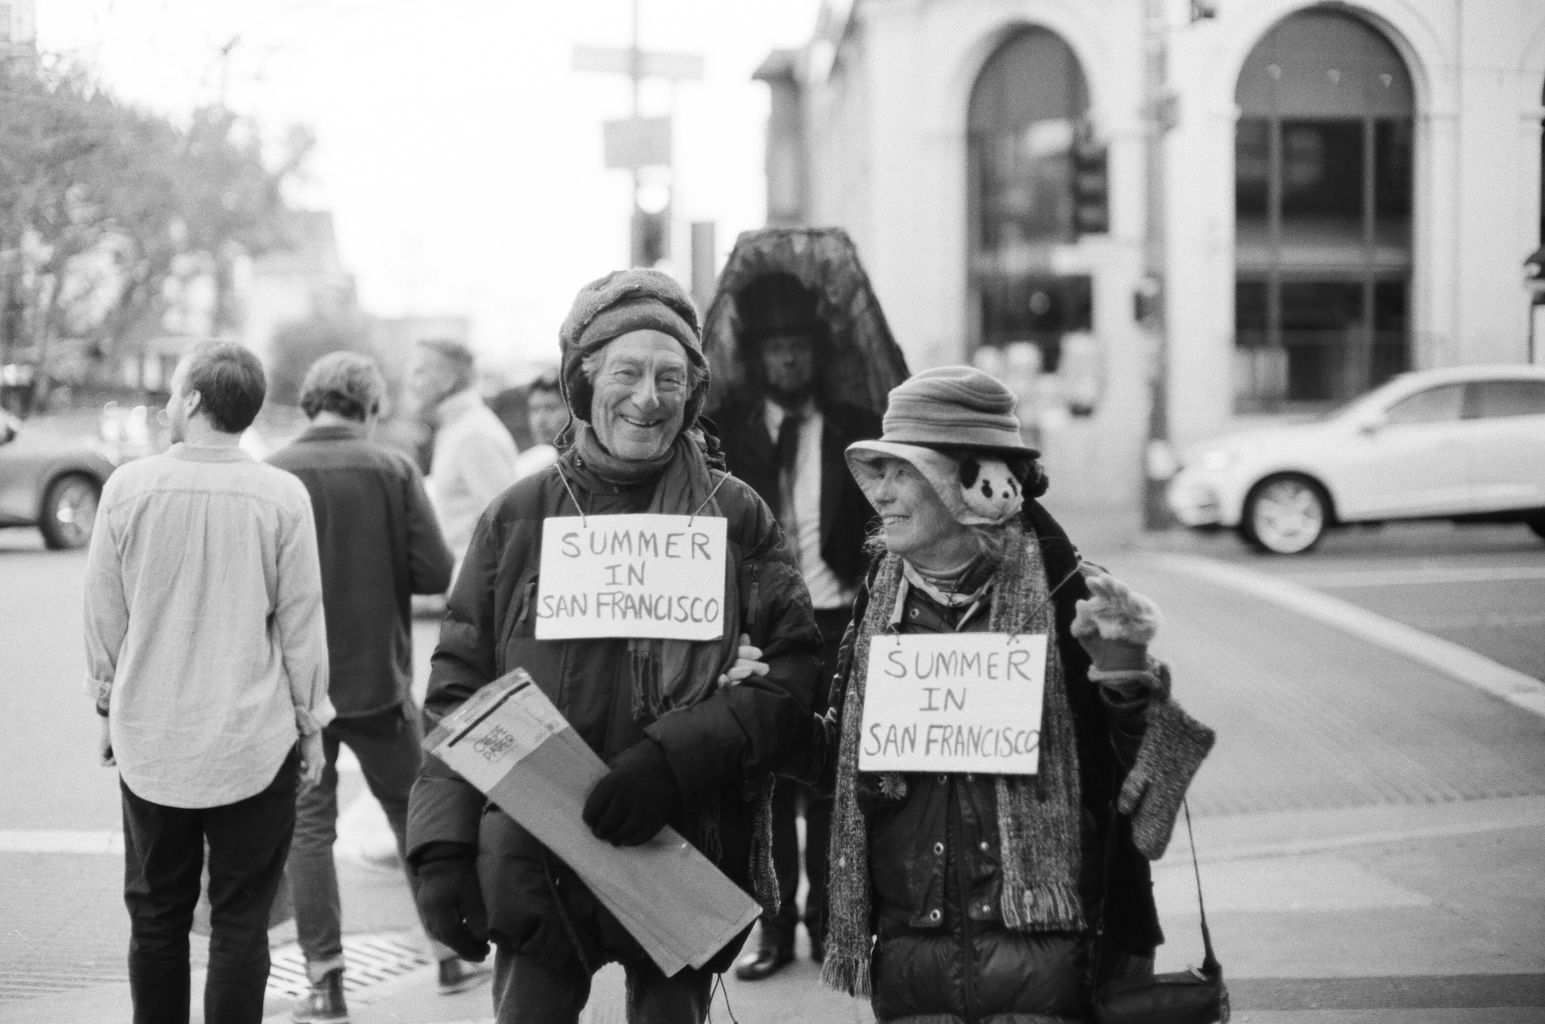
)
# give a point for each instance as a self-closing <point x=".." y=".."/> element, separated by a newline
<point x="368" y="960"/>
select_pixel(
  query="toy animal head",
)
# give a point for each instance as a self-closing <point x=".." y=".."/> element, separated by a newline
<point x="989" y="488"/>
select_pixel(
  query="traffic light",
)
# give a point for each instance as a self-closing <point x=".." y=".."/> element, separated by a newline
<point x="651" y="236"/>
<point x="1091" y="185"/>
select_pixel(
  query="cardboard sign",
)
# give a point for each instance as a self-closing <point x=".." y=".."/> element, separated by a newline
<point x="509" y="741"/>
<point x="954" y="702"/>
<point x="643" y="575"/>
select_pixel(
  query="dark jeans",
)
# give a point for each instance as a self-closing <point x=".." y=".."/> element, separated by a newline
<point x="387" y="746"/>
<point x="528" y="992"/>
<point x="790" y="799"/>
<point x="163" y="863"/>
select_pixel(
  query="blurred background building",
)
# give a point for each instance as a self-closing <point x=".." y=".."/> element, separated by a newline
<point x="1339" y="191"/>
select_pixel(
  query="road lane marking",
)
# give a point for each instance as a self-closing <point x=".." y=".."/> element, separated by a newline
<point x="60" y="841"/>
<point x="1483" y="620"/>
<point x="1517" y="688"/>
<point x="1413" y="577"/>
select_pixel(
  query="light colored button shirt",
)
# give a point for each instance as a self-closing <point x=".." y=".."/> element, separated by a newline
<point x="204" y="628"/>
<point x="803" y="522"/>
<point x="474" y="462"/>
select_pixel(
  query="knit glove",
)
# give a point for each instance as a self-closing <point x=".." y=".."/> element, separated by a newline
<point x="632" y="802"/>
<point x="450" y="901"/>
<point x="1173" y="747"/>
<point x="1115" y="625"/>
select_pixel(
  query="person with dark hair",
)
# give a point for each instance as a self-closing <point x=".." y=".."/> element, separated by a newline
<point x="961" y="894"/>
<point x="547" y="417"/>
<point x="379" y="545"/>
<point x="685" y="749"/>
<point x="474" y="457"/>
<point x="206" y="656"/>
<point x="784" y="433"/>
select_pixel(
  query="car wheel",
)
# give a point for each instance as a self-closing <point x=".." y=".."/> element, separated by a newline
<point x="69" y="511"/>
<point x="1285" y="515"/>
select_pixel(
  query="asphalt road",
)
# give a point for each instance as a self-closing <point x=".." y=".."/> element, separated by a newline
<point x="1480" y="586"/>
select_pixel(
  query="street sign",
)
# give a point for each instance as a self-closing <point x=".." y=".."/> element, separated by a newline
<point x="651" y="63"/>
<point x="637" y="142"/>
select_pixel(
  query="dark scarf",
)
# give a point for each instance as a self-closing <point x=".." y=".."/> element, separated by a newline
<point x="1038" y="816"/>
<point x="670" y="674"/>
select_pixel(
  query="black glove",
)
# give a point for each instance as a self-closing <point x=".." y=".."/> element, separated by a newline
<point x="450" y="901"/>
<point x="633" y="801"/>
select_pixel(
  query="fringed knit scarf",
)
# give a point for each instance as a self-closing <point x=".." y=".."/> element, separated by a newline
<point x="670" y="674"/>
<point x="1037" y="815"/>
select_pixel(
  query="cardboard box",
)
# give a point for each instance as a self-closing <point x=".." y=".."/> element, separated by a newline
<point x="510" y="742"/>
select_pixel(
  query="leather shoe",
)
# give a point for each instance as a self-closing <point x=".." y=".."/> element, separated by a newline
<point x="764" y="963"/>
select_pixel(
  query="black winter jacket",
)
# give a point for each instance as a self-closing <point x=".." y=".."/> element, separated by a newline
<point x="716" y="749"/>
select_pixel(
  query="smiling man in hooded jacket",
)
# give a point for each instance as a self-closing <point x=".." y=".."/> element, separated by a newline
<point x="684" y="749"/>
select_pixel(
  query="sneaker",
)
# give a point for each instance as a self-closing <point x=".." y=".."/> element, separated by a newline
<point x="458" y="975"/>
<point x="324" y="1003"/>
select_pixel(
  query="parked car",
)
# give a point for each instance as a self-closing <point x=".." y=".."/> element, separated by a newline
<point x="51" y="481"/>
<point x="1465" y="443"/>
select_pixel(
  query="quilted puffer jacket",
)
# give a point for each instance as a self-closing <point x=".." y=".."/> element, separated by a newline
<point x="716" y="749"/>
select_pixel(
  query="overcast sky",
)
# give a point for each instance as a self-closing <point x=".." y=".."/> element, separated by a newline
<point x="459" y="149"/>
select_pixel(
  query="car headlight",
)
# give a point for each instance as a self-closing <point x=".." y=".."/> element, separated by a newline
<point x="1220" y="458"/>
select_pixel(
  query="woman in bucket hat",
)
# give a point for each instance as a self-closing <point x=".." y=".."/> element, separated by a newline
<point x="972" y="894"/>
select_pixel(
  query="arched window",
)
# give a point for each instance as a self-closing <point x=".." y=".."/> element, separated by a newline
<point x="1322" y="203"/>
<point x="1027" y="112"/>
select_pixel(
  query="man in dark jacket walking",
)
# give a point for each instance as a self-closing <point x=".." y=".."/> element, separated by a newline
<point x="379" y="544"/>
<point x="784" y="431"/>
<point x="684" y="750"/>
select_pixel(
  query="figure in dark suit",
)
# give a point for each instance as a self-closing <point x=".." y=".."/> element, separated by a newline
<point x="784" y="429"/>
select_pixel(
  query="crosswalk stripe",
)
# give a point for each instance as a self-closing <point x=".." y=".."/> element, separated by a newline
<point x="60" y="841"/>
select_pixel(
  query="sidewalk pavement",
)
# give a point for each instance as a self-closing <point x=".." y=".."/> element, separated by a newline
<point x="1422" y="914"/>
<point x="1425" y="914"/>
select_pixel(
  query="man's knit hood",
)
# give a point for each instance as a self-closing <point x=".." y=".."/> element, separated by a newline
<point x="624" y="301"/>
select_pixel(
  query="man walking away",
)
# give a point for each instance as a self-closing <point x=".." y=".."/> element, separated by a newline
<point x="207" y="658"/>
<point x="379" y="544"/>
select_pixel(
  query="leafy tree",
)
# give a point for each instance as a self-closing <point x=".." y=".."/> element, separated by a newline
<point x="101" y="202"/>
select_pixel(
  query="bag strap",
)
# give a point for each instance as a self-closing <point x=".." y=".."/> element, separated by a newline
<point x="1210" y="963"/>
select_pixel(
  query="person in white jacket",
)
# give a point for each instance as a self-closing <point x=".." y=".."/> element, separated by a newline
<point x="474" y="457"/>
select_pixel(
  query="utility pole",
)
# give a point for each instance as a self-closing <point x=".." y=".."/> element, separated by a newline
<point x="636" y="77"/>
<point x="1153" y="297"/>
<point x="641" y="142"/>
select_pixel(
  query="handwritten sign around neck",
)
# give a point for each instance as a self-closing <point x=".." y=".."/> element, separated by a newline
<point x="644" y="575"/>
<point x="954" y="702"/>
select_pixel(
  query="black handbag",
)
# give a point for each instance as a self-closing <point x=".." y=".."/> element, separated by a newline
<point x="1194" y="996"/>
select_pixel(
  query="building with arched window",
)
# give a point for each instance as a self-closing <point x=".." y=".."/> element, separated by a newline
<point x="1169" y="218"/>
